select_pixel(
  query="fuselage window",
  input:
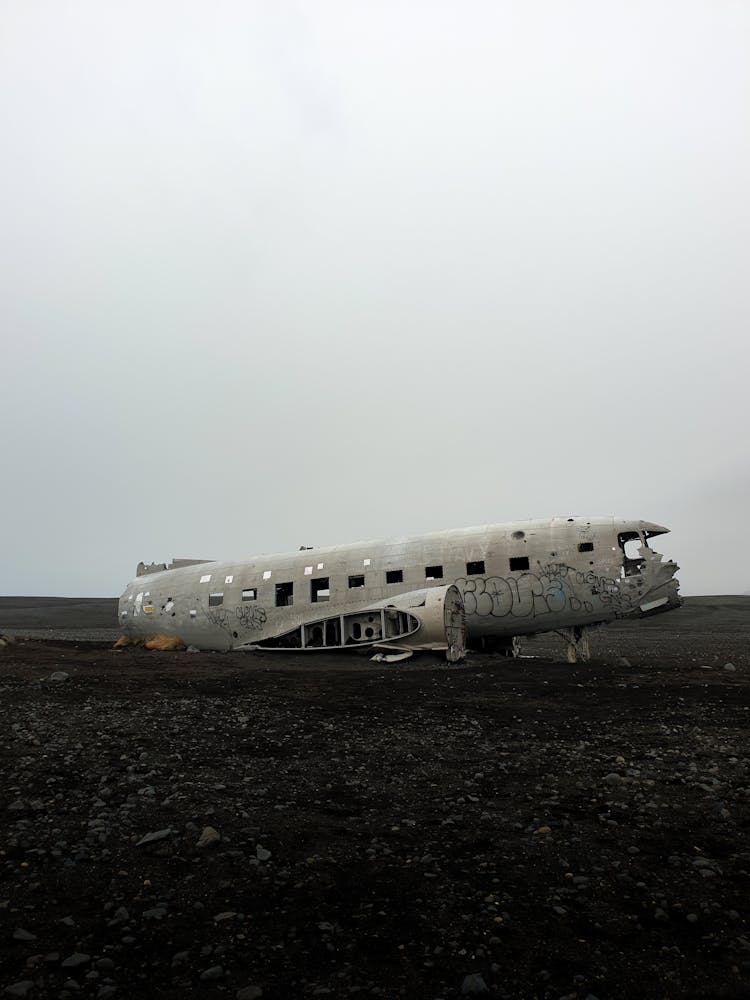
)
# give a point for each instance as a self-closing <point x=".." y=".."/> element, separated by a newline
<point x="433" y="572"/>
<point x="250" y="594"/>
<point x="214" y="600"/>
<point x="394" y="576"/>
<point x="519" y="562"/>
<point x="475" y="567"/>
<point x="284" y="595"/>
<point x="320" y="590"/>
<point x="585" y="546"/>
<point x="355" y="582"/>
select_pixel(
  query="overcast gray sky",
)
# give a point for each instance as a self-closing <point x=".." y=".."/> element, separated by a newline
<point x="284" y="273"/>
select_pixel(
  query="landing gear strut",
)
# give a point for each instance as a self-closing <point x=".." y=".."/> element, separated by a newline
<point x="577" y="640"/>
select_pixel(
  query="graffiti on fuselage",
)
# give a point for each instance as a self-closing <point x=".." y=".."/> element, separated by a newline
<point x="554" y="589"/>
<point x="250" y="616"/>
<point x="219" y="618"/>
<point x="610" y="592"/>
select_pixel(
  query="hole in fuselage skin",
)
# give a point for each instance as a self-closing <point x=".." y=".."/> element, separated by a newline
<point x="630" y="543"/>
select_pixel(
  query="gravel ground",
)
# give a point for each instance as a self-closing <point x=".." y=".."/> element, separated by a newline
<point x="256" y="825"/>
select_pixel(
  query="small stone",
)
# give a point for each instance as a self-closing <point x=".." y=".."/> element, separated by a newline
<point x="155" y="913"/>
<point x="633" y="849"/>
<point x="208" y="837"/>
<point x="152" y="838"/>
<point x="730" y="667"/>
<point x="212" y="974"/>
<point x="226" y="915"/>
<point x="192" y="649"/>
<point x="261" y="853"/>
<point x="623" y="662"/>
<point x="692" y="918"/>
<point x="105" y="965"/>
<point x="544" y="830"/>
<point x="58" y="676"/>
<point x="249" y="993"/>
<point x="19" y="934"/>
<point x="474" y="983"/>
<point x="613" y="779"/>
<point x="106" y="991"/>
<point x="76" y="961"/>
<point x="21" y="989"/>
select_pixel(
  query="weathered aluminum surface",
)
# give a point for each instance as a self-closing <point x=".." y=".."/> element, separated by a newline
<point x="516" y="578"/>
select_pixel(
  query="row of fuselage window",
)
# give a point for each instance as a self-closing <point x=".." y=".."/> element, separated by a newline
<point x="320" y="587"/>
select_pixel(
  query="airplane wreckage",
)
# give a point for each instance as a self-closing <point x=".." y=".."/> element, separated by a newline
<point x="483" y="587"/>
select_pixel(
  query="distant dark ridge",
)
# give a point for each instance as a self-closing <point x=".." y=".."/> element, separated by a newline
<point x="58" y="612"/>
<point x="698" y="614"/>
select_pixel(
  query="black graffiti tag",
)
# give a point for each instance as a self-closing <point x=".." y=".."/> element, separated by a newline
<point x="251" y="616"/>
<point x="526" y="596"/>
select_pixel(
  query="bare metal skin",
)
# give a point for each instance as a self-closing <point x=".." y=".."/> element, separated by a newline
<point x="514" y="579"/>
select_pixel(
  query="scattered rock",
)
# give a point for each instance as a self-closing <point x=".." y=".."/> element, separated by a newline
<point x="19" y="934"/>
<point x="153" y="838"/>
<point x="76" y="961"/>
<point x="21" y="989"/>
<point x="58" y="676"/>
<point x="473" y="984"/>
<point x="212" y="974"/>
<point x="261" y="853"/>
<point x="208" y="837"/>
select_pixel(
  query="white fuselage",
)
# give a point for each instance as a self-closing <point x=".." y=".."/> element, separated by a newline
<point x="516" y="578"/>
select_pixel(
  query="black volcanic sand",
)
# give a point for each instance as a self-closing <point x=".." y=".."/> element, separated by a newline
<point x="502" y="828"/>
